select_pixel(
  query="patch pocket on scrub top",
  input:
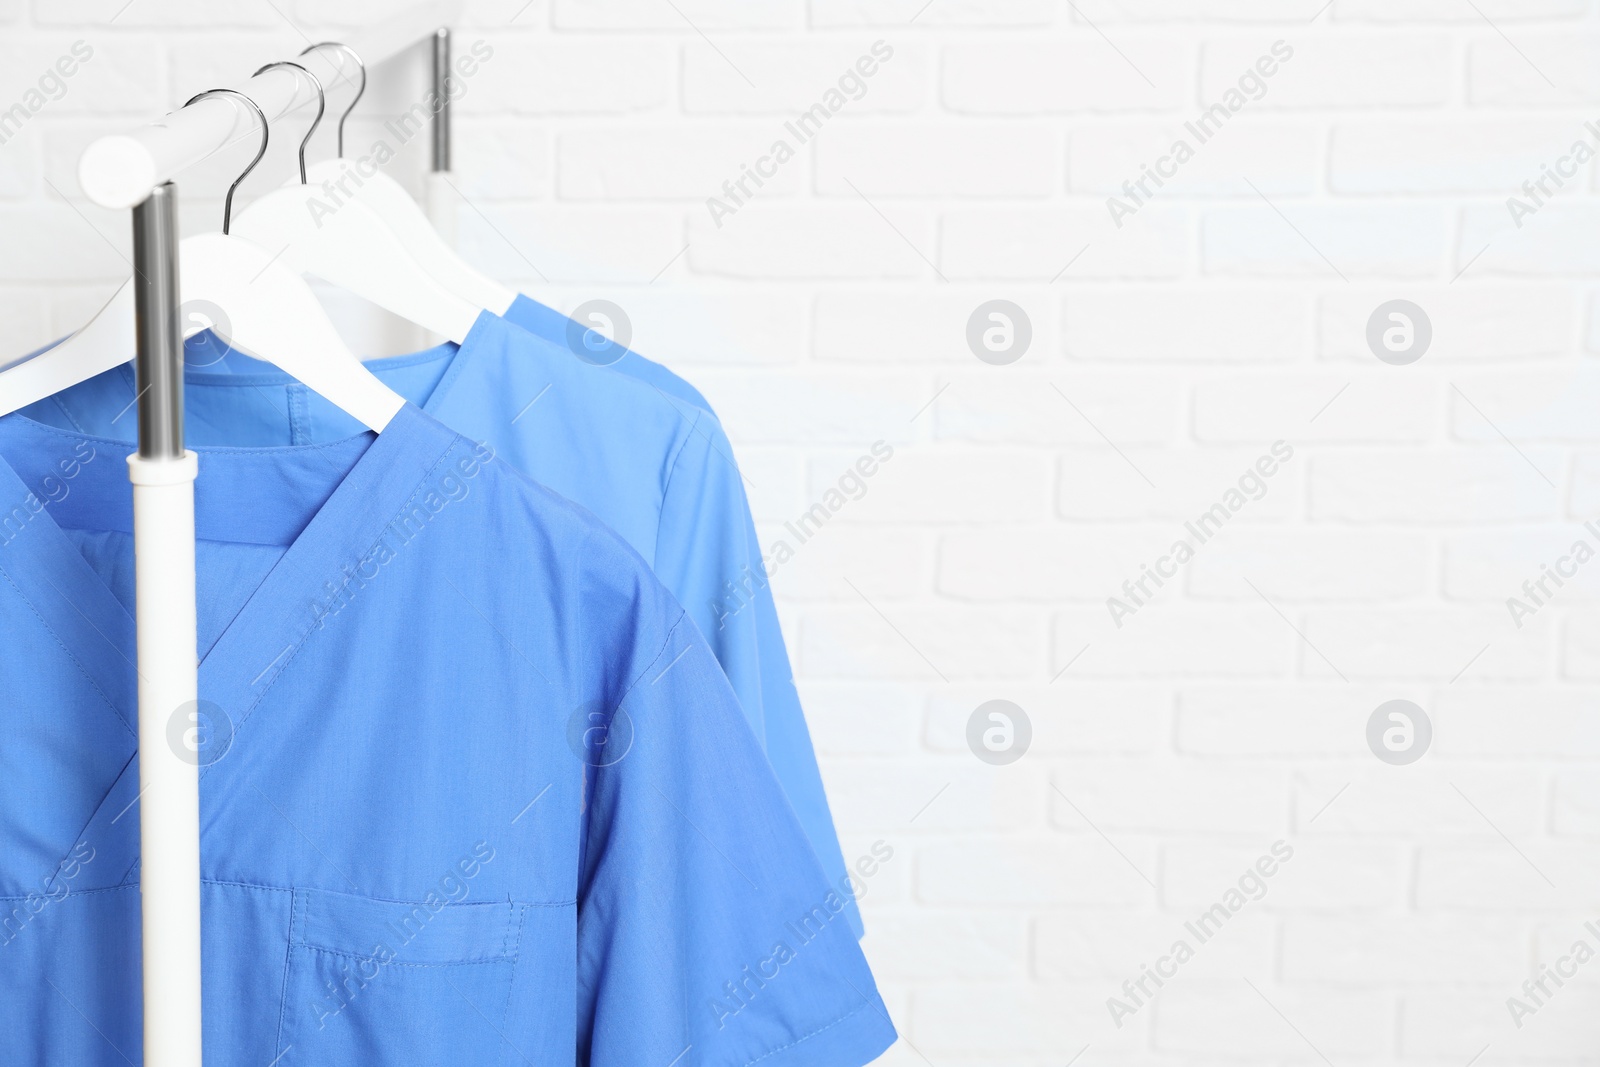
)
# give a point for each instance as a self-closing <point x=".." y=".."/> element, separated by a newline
<point x="380" y="983"/>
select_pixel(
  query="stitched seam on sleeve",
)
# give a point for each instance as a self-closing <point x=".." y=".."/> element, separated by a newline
<point x="812" y="1034"/>
<point x="666" y="644"/>
<point x="578" y="669"/>
<point x="672" y="473"/>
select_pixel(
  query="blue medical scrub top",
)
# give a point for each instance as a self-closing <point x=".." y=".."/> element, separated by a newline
<point x="788" y="739"/>
<point x="655" y="468"/>
<point x="460" y="804"/>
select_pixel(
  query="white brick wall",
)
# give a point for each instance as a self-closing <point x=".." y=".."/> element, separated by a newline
<point x="1168" y="353"/>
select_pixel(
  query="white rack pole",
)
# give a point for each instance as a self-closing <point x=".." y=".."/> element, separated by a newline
<point x="119" y="171"/>
<point x="134" y="170"/>
<point x="163" y="475"/>
<point x="440" y="199"/>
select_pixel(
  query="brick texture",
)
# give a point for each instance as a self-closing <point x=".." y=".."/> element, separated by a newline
<point x="809" y="207"/>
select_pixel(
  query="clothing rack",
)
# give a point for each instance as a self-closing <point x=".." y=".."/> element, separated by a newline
<point x="135" y="170"/>
<point x="120" y="170"/>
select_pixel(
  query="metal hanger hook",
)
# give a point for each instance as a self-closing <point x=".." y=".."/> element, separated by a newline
<point x="266" y="135"/>
<point x="360" y="89"/>
<point x="322" y="106"/>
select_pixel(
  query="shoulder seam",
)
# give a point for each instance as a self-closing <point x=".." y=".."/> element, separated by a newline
<point x="666" y="643"/>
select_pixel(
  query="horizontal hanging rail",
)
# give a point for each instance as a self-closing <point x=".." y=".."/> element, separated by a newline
<point x="121" y="170"/>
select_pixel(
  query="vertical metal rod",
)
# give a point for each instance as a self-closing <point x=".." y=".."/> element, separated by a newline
<point x="158" y="363"/>
<point x="163" y="477"/>
<point x="441" y="121"/>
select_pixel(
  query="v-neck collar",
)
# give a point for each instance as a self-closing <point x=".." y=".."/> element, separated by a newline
<point x="268" y="632"/>
<point x="45" y="566"/>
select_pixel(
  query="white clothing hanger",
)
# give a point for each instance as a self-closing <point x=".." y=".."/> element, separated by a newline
<point x="351" y="247"/>
<point x="389" y="200"/>
<point x="271" y="314"/>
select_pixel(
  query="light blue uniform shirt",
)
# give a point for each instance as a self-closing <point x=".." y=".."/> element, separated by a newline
<point x="475" y="790"/>
<point x="788" y="739"/>
<point x="656" y="469"/>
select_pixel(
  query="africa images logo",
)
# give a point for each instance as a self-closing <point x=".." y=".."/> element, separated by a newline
<point x="1251" y="86"/>
<point x="851" y="85"/>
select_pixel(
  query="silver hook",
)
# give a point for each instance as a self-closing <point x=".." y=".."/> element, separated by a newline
<point x="322" y="106"/>
<point x="266" y="134"/>
<point x="362" y="88"/>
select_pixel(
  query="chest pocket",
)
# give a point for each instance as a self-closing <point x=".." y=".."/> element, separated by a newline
<point x="380" y="983"/>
